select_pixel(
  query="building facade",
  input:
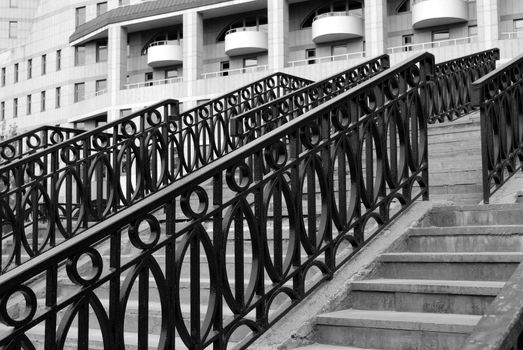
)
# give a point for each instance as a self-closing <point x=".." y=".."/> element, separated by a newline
<point x="85" y="62"/>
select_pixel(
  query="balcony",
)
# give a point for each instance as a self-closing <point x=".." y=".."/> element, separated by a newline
<point x="164" y="53"/>
<point x="431" y="13"/>
<point x="246" y="40"/>
<point x="334" y="26"/>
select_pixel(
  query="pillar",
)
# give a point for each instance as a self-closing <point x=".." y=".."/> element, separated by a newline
<point x="488" y="23"/>
<point x="116" y="68"/>
<point x="192" y="53"/>
<point x="375" y="12"/>
<point x="278" y="20"/>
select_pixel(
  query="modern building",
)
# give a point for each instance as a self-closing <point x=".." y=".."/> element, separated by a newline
<point x="86" y="62"/>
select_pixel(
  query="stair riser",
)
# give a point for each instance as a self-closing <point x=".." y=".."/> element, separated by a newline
<point x="468" y="243"/>
<point x="447" y="271"/>
<point x="474" y="218"/>
<point x="418" y="302"/>
<point x="389" y="339"/>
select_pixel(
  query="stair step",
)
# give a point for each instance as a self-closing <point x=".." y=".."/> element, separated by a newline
<point x="464" y="257"/>
<point x="475" y="215"/>
<point x="435" y="296"/>
<point x="394" y="330"/>
<point x="328" y="347"/>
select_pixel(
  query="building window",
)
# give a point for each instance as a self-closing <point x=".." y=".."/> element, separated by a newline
<point x="101" y="52"/>
<point x="29" y="104"/>
<point x="171" y="74"/>
<point x="473" y="31"/>
<point x="58" y="60"/>
<point x="249" y="63"/>
<point x="42" y="101"/>
<point x="29" y="68"/>
<point x="2" y="78"/>
<point x="309" y="55"/>
<point x="404" y="7"/>
<point x="13" y="3"/>
<point x="44" y="64"/>
<point x="148" y="79"/>
<point x="101" y="8"/>
<point x="15" y="108"/>
<point x="101" y="87"/>
<point x="407" y="42"/>
<point x="440" y="35"/>
<point x="224" y="67"/>
<point x="57" y="97"/>
<point x="125" y="112"/>
<point x="518" y="27"/>
<point x="79" y="92"/>
<point x="79" y="55"/>
<point x="337" y="51"/>
<point x="16" y="73"/>
<point x="13" y="29"/>
<point x="80" y="15"/>
<point x="2" y="110"/>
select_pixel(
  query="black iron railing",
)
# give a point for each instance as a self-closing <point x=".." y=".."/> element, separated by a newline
<point x="499" y="95"/>
<point x="50" y="196"/>
<point x="258" y="121"/>
<point x="32" y="141"/>
<point x="266" y="222"/>
<point x="451" y="90"/>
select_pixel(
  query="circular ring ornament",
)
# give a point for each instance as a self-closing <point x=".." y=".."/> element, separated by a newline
<point x="239" y="172"/>
<point x="203" y="203"/>
<point x="154" y="236"/>
<point x="97" y="266"/>
<point x="100" y="142"/>
<point x="311" y="135"/>
<point x="56" y="137"/>
<point x="8" y="151"/>
<point x="31" y="306"/>
<point x="128" y="128"/>
<point x="69" y="154"/>
<point x="154" y="118"/>
<point x="276" y="155"/>
<point x="33" y="141"/>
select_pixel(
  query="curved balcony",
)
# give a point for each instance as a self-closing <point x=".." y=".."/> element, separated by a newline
<point x="431" y="13"/>
<point x="247" y="40"/>
<point x="334" y="26"/>
<point x="164" y="53"/>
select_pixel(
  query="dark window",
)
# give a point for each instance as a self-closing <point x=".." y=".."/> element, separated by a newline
<point x="404" y="7"/>
<point x="15" y="108"/>
<point x="2" y="110"/>
<point x="29" y="104"/>
<point x="407" y="40"/>
<point x="44" y="64"/>
<point x="29" y="68"/>
<point x="42" y="101"/>
<point x="125" y="112"/>
<point x="58" y="97"/>
<point x="16" y="73"/>
<point x="79" y="92"/>
<point x="79" y="55"/>
<point x="13" y="29"/>
<point x="101" y="87"/>
<point x="310" y="54"/>
<point x="58" y="60"/>
<point x="473" y="31"/>
<point x="148" y="78"/>
<point x="80" y="16"/>
<point x="101" y="8"/>
<point x="224" y="67"/>
<point x="101" y="52"/>
<point x="3" y="76"/>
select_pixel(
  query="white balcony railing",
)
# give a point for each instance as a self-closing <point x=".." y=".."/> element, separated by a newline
<point x="335" y="26"/>
<point x="245" y="40"/>
<point x="324" y="59"/>
<point x="164" y="53"/>
<point x="432" y="13"/>
<point x="432" y="44"/>
<point x="223" y="73"/>
<point x="511" y="35"/>
<point x="153" y="83"/>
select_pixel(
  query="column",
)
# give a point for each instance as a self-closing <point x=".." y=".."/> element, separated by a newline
<point x="278" y="20"/>
<point x="488" y="23"/>
<point x="192" y="53"/>
<point x="375" y="25"/>
<point x="116" y="68"/>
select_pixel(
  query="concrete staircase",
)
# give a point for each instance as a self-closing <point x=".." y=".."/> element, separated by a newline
<point x="455" y="161"/>
<point x="434" y="285"/>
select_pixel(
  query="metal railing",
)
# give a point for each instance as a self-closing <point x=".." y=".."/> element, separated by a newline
<point x="33" y="141"/>
<point x="244" y="29"/>
<point x="432" y="44"/>
<point x="451" y="90"/>
<point x="154" y="83"/>
<point x="53" y="195"/>
<point x="223" y="73"/>
<point x="314" y="60"/>
<point x="499" y="95"/>
<point x="338" y="14"/>
<point x="285" y="178"/>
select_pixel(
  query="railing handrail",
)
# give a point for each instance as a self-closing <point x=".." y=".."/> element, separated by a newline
<point x="104" y="229"/>
<point x="175" y="42"/>
<point x="154" y="83"/>
<point x="463" y="58"/>
<point x="244" y="29"/>
<point x="330" y="58"/>
<point x="261" y="68"/>
<point x="38" y="129"/>
<point x="337" y="14"/>
<point x="478" y="84"/>
<point x="86" y="134"/>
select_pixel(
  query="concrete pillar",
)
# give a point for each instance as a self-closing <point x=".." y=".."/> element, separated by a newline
<point x="375" y="12"/>
<point x="278" y="20"/>
<point x="488" y="22"/>
<point x="192" y="53"/>
<point x="116" y="68"/>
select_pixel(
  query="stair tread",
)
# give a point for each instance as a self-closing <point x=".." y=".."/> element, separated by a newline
<point x="464" y="257"/>
<point x="415" y="321"/>
<point x="429" y="286"/>
<point x="466" y="230"/>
